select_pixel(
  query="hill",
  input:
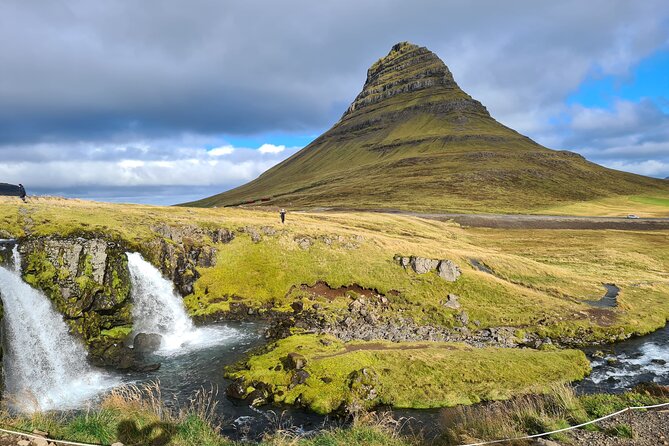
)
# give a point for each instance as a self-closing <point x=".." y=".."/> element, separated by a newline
<point x="414" y="140"/>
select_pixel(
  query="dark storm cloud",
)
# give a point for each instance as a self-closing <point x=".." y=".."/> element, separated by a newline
<point x="79" y="69"/>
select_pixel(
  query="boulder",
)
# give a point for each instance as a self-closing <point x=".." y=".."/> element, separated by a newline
<point x="448" y="270"/>
<point x="299" y="377"/>
<point x="421" y="265"/>
<point x="304" y="242"/>
<point x="295" y="361"/>
<point x="236" y="389"/>
<point x="452" y="302"/>
<point x="147" y="342"/>
<point x="297" y="306"/>
<point x="222" y="236"/>
<point x="260" y="395"/>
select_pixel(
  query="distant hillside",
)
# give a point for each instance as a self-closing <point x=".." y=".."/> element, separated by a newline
<point x="412" y="139"/>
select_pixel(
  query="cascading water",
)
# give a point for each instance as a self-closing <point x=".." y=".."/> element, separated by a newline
<point x="45" y="367"/>
<point x="159" y="309"/>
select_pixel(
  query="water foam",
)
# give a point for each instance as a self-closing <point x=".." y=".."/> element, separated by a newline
<point x="159" y="309"/>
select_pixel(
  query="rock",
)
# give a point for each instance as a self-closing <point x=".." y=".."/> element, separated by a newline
<point x="422" y="265"/>
<point x="23" y="443"/>
<point x="268" y="230"/>
<point x="222" y="236"/>
<point x="452" y="302"/>
<point x="40" y="442"/>
<point x="658" y="361"/>
<point x="363" y="383"/>
<point x="303" y="242"/>
<point x="598" y="354"/>
<point x="147" y="342"/>
<point x="260" y="395"/>
<point x="236" y="389"/>
<point x="297" y="306"/>
<point x="143" y="368"/>
<point x="298" y="378"/>
<point x="118" y="443"/>
<point x="295" y="361"/>
<point x="448" y="271"/>
<point x="463" y="317"/>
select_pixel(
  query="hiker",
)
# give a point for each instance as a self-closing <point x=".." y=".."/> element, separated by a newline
<point x="282" y="212"/>
<point x="22" y="192"/>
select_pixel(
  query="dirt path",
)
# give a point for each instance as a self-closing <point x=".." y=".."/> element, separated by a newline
<point x="503" y="221"/>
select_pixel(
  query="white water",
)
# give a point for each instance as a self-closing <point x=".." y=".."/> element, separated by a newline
<point x="16" y="259"/>
<point x="157" y="308"/>
<point x="45" y="367"/>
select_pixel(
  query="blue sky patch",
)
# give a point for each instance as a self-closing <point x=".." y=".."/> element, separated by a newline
<point x="648" y="79"/>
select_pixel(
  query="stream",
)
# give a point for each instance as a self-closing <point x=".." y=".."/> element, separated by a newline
<point x="184" y="373"/>
<point x="626" y="364"/>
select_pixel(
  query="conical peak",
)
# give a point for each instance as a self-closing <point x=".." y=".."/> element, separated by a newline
<point x="406" y="68"/>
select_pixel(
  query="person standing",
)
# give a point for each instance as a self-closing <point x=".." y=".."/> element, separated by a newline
<point x="22" y="192"/>
<point x="282" y="212"/>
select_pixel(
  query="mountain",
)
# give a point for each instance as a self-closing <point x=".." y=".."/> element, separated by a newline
<point x="412" y="139"/>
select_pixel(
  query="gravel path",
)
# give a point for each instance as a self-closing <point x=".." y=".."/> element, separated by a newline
<point x="650" y="428"/>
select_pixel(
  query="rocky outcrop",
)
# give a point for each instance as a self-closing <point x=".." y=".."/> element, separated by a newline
<point x="180" y="250"/>
<point x="86" y="279"/>
<point x="408" y="68"/>
<point x="446" y="269"/>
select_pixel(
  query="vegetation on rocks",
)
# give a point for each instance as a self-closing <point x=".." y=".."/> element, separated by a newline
<point x="359" y="375"/>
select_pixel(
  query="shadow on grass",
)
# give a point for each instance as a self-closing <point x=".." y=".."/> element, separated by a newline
<point x="155" y="434"/>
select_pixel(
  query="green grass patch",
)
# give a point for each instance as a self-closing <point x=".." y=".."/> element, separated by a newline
<point x="406" y="375"/>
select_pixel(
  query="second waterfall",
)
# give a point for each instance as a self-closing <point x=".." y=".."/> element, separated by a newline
<point x="158" y="308"/>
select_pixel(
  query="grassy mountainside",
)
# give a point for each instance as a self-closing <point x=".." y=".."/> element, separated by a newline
<point x="412" y="139"/>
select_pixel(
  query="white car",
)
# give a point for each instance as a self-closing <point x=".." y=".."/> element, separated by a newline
<point x="632" y="216"/>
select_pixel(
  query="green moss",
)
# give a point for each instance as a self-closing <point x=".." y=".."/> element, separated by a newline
<point x="120" y="332"/>
<point x="407" y="375"/>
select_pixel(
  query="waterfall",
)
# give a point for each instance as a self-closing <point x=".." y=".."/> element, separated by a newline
<point x="44" y="365"/>
<point x="16" y="259"/>
<point x="157" y="308"/>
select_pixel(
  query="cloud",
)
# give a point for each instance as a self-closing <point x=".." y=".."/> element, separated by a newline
<point x="271" y="148"/>
<point x="221" y="151"/>
<point x="186" y="167"/>
<point x="649" y="167"/>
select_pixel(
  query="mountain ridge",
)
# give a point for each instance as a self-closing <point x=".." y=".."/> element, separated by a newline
<point x="413" y="139"/>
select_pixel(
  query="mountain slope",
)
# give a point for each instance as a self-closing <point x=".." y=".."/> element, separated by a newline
<point x="412" y="139"/>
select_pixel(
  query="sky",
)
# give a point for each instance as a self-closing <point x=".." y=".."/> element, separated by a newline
<point x="165" y="101"/>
